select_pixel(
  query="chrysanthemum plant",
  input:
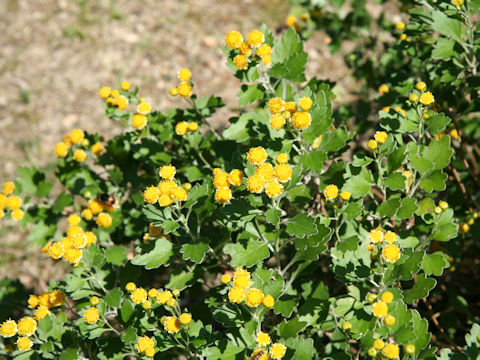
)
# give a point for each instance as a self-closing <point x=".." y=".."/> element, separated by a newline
<point x="283" y="236"/>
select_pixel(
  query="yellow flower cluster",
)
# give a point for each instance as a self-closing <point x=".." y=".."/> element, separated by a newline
<point x="44" y="302"/>
<point x="380" y="138"/>
<point x="155" y="232"/>
<point x="277" y="350"/>
<point x="24" y="328"/>
<point x="76" y="139"/>
<point x="116" y="97"/>
<point x="10" y="202"/>
<point x="222" y="181"/>
<point x="380" y="308"/>
<point x="250" y="50"/>
<point x="183" y="127"/>
<point x="241" y="291"/>
<point x="281" y="111"/>
<point x="390" y="351"/>
<point x="390" y="252"/>
<point x="71" y="246"/>
<point x="184" y="89"/>
<point x="267" y="177"/>
<point x="167" y="191"/>
<point x="146" y="345"/>
<point x="331" y="193"/>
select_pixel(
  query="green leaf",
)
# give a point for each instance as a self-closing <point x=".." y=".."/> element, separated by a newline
<point x="433" y="264"/>
<point x="285" y="306"/>
<point x="161" y="254"/>
<point x="247" y="254"/>
<point x="395" y="181"/>
<point x="437" y="123"/>
<point x="114" y="297"/>
<point x="446" y="228"/>
<point x="249" y="94"/>
<point x="359" y="185"/>
<point x="301" y="225"/>
<point x="180" y="280"/>
<point x="353" y="210"/>
<point x="395" y="158"/>
<point x="63" y="200"/>
<point x="425" y="206"/>
<point x="447" y="26"/>
<point x="300" y="349"/>
<point x="126" y="311"/>
<point x="434" y="182"/>
<point x="289" y="59"/>
<point x="196" y="194"/>
<point x="116" y="255"/>
<point x="195" y="252"/>
<point x="438" y="152"/>
<point x="313" y="160"/>
<point x="409" y="242"/>
<point x="420" y="289"/>
<point x="223" y="350"/>
<point x="292" y="328"/>
<point x="273" y="216"/>
<point x="443" y="49"/>
<point x="389" y="207"/>
<point x="130" y="335"/>
<point x="407" y="208"/>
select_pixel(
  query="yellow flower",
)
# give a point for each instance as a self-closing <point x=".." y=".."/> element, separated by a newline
<point x="376" y="236"/>
<point x="282" y="172"/>
<point x="345" y="195"/>
<point x="56" y="250"/>
<point x="193" y="126"/>
<point x="184" y="89"/>
<point x="44" y="300"/>
<point x="268" y="301"/>
<point x="381" y="137"/>
<point x="391" y="253"/>
<point x="73" y="255"/>
<point x="79" y="155"/>
<point x="173" y="91"/>
<point x="26" y="326"/>
<point x="257" y="155"/>
<point x="164" y="296"/>
<point x="378" y="344"/>
<point x="390" y="237"/>
<point x="179" y="194"/>
<point x="171" y="325"/>
<point x="413" y="98"/>
<point x="301" y="120"/>
<point x="276" y="105"/>
<point x="233" y="39"/>
<point x="95" y="207"/>
<point x="457" y="3"/>
<point x="223" y="195"/>
<point x="265" y="170"/>
<point x="379" y="309"/>
<point x="144" y="108"/>
<point x="273" y="188"/>
<point x="167" y="172"/>
<point x="264" y="50"/>
<point x="104" y="92"/>
<point x="245" y="49"/>
<point x="255" y="38"/>
<point x="277" y="121"/>
<point x="3" y="201"/>
<point x="254" y="297"/>
<point x="259" y="354"/>
<point x="383" y="89"/>
<point x="139" y="121"/>
<point x="330" y="192"/>
<point x="225" y="279"/>
<point x="263" y="339"/>
<point x="104" y="220"/>
<point x="14" y="202"/>
<point x="220" y="180"/>
<point x="387" y="297"/>
<point x="400" y="25"/>
<point x="236" y="295"/>
<point x="464" y="228"/>
<point x="391" y="351"/>
<point x="255" y="183"/>
<point x="421" y="86"/>
<point x="41" y="312"/>
<point x="32" y="301"/>
<point x="184" y="74"/>
<point x="24" y="343"/>
<point x="282" y="158"/>
<point x="171" y="302"/>
<point x="139" y="295"/>
<point x="18" y="214"/>
<point x="291" y="21"/>
<point x="372" y="144"/>
<point x="427" y="98"/>
<point x="241" y="278"/>
<point x="454" y="134"/>
<point x="66" y="242"/>
<point x="305" y="103"/>
<point x="87" y="214"/>
<point x="240" y="62"/>
<point x="121" y="102"/>
<point x="125" y="85"/>
<point x="130" y="286"/>
<point x="164" y="200"/>
<point x="235" y="177"/>
<point x="277" y="351"/>
<point x="443" y="205"/>
<point x="74" y="219"/>
<point x="76" y="136"/>
<point x="8" y="187"/>
<point x="8" y="328"/>
<point x="185" y="318"/>
<point x="390" y="320"/>
<point x="144" y="343"/>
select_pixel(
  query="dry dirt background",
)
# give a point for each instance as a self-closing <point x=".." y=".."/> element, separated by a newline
<point x="56" y="54"/>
